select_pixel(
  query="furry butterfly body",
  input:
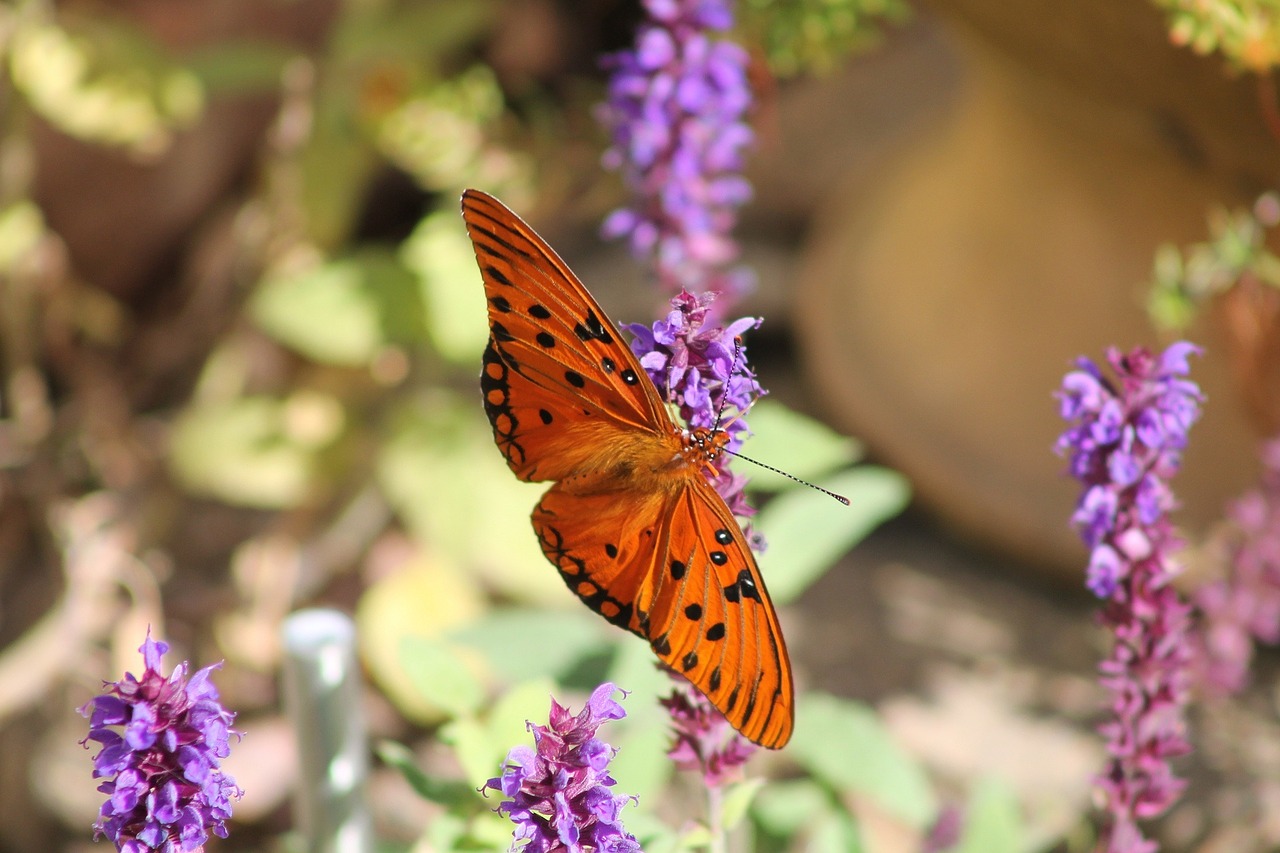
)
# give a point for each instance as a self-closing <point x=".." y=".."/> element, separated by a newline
<point x="631" y="521"/>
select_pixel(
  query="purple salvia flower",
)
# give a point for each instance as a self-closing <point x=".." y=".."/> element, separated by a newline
<point x="704" y="740"/>
<point x="675" y="109"/>
<point x="1124" y="442"/>
<point x="1243" y="607"/>
<point x="165" y="789"/>
<point x="559" y="793"/>
<point x="700" y="367"/>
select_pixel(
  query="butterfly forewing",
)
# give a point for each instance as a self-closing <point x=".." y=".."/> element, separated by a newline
<point x="555" y="362"/>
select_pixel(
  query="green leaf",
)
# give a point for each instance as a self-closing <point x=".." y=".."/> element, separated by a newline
<point x="785" y="807"/>
<point x="344" y="311"/>
<point x="737" y="799"/>
<point x="993" y="820"/>
<point x="844" y="744"/>
<point x="641" y="765"/>
<point x="796" y="443"/>
<point x="254" y="451"/>
<point x="523" y="644"/>
<point x="482" y="746"/>
<point x="441" y="675"/>
<point x="440" y="255"/>
<point x="240" y="66"/>
<point x="450" y="486"/>
<point x="447" y="792"/>
<point x="808" y="531"/>
<point x="836" y="830"/>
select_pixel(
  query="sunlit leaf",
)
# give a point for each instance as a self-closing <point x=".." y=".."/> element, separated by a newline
<point x="21" y="227"/>
<point x="440" y="675"/>
<point x="448" y="792"/>
<point x="808" y="531"/>
<point x="844" y="744"/>
<point x="450" y="485"/>
<point x="440" y="255"/>
<point x="344" y="311"/>
<point x="522" y="644"/>
<point x="424" y="600"/>
<point x="737" y="799"/>
<point x="254" y="451"/>
<point x="992" y="820"/>
<point x="785" y="807"/>
<point x="795" y="443"/>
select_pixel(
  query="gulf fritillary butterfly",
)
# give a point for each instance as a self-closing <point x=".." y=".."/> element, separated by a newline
<point x="632" y="522"/>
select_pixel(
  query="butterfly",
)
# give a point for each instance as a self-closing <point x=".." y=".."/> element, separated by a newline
<point x="631" y="521"/>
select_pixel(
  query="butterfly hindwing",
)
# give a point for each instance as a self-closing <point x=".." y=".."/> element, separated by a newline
<point x="674" y="567"/>
<point x="557" y="376"/>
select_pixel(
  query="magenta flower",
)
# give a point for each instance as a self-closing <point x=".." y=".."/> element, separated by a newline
<point x="1243" y="607"/>
<point x="163" y="741"/>
<point x="704" y="740"/>
<point x="675" y="110"/>
<point x="558" y="792"/>
<point x="1124" y="444"/>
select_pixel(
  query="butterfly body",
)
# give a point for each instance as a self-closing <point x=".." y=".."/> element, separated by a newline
<point x="631" y="521"/>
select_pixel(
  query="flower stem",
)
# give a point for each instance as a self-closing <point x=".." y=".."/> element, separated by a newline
<point x="715" y="822"/>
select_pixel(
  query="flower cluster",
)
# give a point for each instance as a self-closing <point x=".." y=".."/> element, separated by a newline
<point x="701" y="369"/>
<point x="559" y="793"/>
<point x="1244" y="606"/>
<point x="164" y="785"/>
<point x="704" y="740"/>
<point x="1125" y="441"/>
<point x="675" y="109"/>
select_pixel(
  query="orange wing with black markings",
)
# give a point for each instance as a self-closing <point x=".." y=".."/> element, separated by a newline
<point x="631" y="522"/>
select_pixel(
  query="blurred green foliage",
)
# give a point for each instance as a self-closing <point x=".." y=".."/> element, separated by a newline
<point x="1183" y="280"/>
<point x="815" y="36"/>
<point x="1245" y="32"/>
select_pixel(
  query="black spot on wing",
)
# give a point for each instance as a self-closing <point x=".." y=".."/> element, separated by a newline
<point x="545" y="340"/>
<point x="539" y="312"/>
<point x="719" y="557"/>
<point x="591" y="329"/>
<point x="716" y="632"/>
<point x="693" y="611"/>
<point x="724" y="537"/>
<point x="497" y="275"/>
<point x="500" y="304"/>
<point x="744" y="586"/>
<point x="574" y="378"/>
<point x="677" y="569"/>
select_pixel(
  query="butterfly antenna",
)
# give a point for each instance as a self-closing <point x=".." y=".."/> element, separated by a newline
<point x="737" y="353"/>
<point x="733" y="369"/>
<point x="791" y="477"/>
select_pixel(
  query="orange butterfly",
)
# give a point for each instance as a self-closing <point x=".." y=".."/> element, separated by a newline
<point x="632" y="522"/>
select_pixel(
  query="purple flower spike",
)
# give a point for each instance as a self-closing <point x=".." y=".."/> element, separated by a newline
<point x="1124" y="443"/>
<point x="675" y="109"/>
<point x="702" y="368"/>
<point x="1244" y="606"/>
<point x="165" y="789"/>
<point x="559" y="794"/>
<point x="704" y="740"/>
